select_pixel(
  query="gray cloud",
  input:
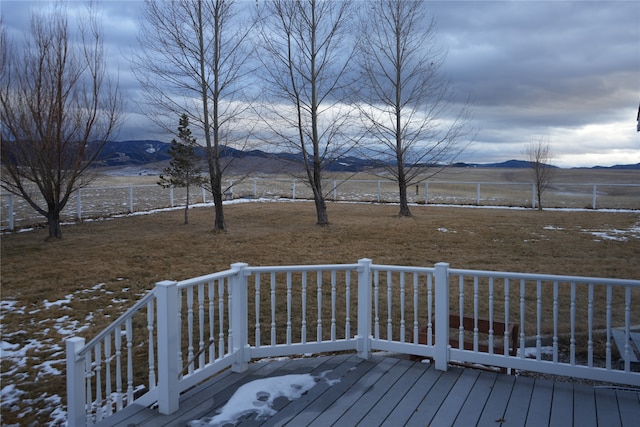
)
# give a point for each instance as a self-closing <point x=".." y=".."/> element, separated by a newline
<point x="569" y="70"/>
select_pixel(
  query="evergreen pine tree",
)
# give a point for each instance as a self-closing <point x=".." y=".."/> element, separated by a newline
<point x="183" y="169"/>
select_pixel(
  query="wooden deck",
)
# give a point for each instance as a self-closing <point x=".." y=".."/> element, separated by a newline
<point x="394" y="391"/>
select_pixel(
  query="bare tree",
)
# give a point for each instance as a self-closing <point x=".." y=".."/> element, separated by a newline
<point x="539" y="156"/>
<point x="183" y="169"/>
<point x="58" y="110"/>
<point x="306" y="53"/>
<point x="194" y="59"/>
<point x="406" y="104"/>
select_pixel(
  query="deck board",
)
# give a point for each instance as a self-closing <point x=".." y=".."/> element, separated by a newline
<point x="392" y="391"/>
<point x="562" y="405"/>
<point x="494" y="409"/>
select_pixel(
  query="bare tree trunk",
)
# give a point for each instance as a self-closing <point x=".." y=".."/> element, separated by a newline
<point x="53" y="221"/>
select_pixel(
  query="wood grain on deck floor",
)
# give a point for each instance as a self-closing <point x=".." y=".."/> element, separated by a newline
<point x="393" y="391"/>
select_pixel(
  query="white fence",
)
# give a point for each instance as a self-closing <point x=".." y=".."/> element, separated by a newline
<point x="92" y="202"/>
<point x="182" y="333"/>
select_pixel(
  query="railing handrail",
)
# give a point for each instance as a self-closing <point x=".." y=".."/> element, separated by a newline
<point x="544" y="277"/>
<point x="117" y="323"/>
<point x="205" y="278"/>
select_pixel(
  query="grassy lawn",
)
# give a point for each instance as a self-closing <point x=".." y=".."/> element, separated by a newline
<point x="76" y="286"/>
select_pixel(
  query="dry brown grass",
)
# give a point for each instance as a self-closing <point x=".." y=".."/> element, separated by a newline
<point x="128" y="255"/>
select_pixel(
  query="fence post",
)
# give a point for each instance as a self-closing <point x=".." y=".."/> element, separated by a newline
<point x="204" y="194"/>
<point x="426" y="193"/>
<point x="239" y="323"/>
<point x="10" y="211"/>
<point x="293" y="189"/>
<point x="379" y="191"/>
<point x="363" y="339"/>
<point x="131" y="199"/>
<point x="79" y="205"/>
<point x="533" y="196"/>
<point x="168" y="347"/>
<point x="442" y="316"/>
<point x="478" y="195"/>
<point x="76" y="392"/>
<point x="171" y="196"/>
<point x="255" y="188"/>
<point x="594" y="196"/>
<point x="335" y="191"/>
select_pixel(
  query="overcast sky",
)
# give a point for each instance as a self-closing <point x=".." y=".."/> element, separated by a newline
<point x="566" y="70"/>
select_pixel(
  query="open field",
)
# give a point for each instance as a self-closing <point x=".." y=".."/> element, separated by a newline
<point x="124" y="190"/>
<point x="76" y="286"/>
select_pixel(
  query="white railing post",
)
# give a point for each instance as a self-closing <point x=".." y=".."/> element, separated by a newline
<point x="238" y="328"/>
<point x="168" y="347"/>
<point x="363" y="339"/>
<point x="171" y="196"/>
<point x="76" y="392"/>
<point x="335" y="190"/>
<point x="533" y="196"/>
<point x="379" y="191"/>
<point x="293" y="189"/>
<point x="204" y="194"/>
<point x="442" y="316"/>
<point x="478" y="195"/>
<point x="595" y="191"/>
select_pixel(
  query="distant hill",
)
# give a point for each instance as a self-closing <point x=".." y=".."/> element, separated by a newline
<point x="143" y="152"/>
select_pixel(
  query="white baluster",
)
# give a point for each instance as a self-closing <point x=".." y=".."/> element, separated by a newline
<point x="319" y="286"/>
<point x="389" y="308"/>
<point x="273" y="308"/>
<point x="150" y="322"/>
<point x="257" y="304"/>
<point x="107" y="375"/>
<point x="98" y="370"/>
<point x="376" y="300"/>
<point x="491" y="331"/>
<point x="201" y="357"/>
<point x="190" y="329"/>
<point x="129" y="336"/>
<point x="555" y="322"/>
<point x="415" y="308"/>
<point x="402" y="307"/>
<point x="573" y="324"/>
<point x="347" y="326"/>
<point x="538" y="320"/>
<point x="212" y="321"/>
<point x="333" y="305"/>
<point x="221" y="348"/>
<point x="289" y="286"/>
<point x="475" y="313"/>
<point x="303" y="326"/>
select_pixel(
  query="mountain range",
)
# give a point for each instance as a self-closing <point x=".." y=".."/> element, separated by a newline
<point x="145" y="152"/>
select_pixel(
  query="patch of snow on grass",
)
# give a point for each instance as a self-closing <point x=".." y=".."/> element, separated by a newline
<point x="552" y="227"/>
<point x="58" y="303"/>
<point x="446" y="230"/>
<point x="617" y="235"/>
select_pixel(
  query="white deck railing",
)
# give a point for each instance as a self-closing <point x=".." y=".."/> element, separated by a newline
<point x="182" y="333"/>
